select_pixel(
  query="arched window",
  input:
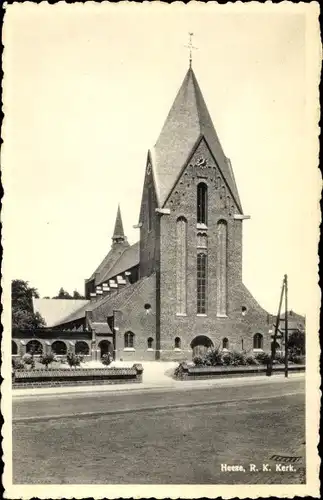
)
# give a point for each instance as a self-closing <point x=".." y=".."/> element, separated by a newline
<point x="129" y="339"/>
<point x="181" y="259"/>
<point x="202" y="203"/>
<point x="59" y="347"/>
<point x="225" y="343"/>
<point x="201" y="282"/>
<point x="14" y="348"/>
<point x="178" y="343"/>
<point x="222" y="268"/>
<point x="150" y="342"/>
<point x="200" y="345"/>
<point x="34" y="347"/>
<point x="82" y="347"/>
<point x="258" y="341"/>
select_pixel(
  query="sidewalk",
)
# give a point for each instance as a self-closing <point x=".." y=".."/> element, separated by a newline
<point x="157" y="377"/>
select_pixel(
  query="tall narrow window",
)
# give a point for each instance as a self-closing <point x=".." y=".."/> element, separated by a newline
<point x="202" y="203"/>
<point x="222" y="268"/>
<point x="258" y="341"/>
<point x="129" y="339"/>
<point x="181" y="259"/>
<point x="177" y="343"/>
<point x="150" y="208"/>
<point x="201" y="282"/>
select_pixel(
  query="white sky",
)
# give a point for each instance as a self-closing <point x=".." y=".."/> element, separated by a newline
<point x="87" y="89"/>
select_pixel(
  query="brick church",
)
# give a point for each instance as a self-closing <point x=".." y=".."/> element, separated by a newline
<point x="179" y="290"/>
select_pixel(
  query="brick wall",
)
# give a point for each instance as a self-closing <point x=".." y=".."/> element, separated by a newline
<point x="235" y="327"/>
<point x="133" y="317"/>
<point x="130" y="315"/>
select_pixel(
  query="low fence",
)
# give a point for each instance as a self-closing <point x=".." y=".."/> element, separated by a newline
<point x="188" y="372"/>
<point x="75" y="377"/>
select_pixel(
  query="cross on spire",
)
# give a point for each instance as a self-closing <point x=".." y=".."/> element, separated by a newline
<point x="190" y="46"/>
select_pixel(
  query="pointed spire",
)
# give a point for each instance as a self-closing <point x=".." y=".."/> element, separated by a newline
<point x="187" y="122"/>
<point x="118" y="233"/>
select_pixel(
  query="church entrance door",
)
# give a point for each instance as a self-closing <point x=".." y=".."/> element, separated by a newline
<point x="200" y="345"/>
<point x="105" y="347"/>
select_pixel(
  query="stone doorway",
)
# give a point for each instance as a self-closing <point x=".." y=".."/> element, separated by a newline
<point x="105" y="347"/>
<point x="200" y="345"/>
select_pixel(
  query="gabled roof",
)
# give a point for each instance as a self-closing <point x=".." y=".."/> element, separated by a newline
<point x="55" y="310"/>
<point x="128" y="259"/>
<point x="101" y="327"/>
<point x="109" y="261"/>
<point x="120" y="258"/>
<point x="187" y="122"/>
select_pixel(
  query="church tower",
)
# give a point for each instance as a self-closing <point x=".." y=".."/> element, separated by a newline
<point x="119" y="246"/>
<point x="191" y="234"/>
<point x="118" y="233"/>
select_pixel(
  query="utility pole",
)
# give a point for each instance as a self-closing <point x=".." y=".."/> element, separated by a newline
<point x="286" y="326"/>
<point x="273" y="350"/>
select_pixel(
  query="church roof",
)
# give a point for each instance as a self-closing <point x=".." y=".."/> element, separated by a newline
<point x="111" y="302"/>
<point x="128" y="259"/>
<point x="54" y="311"/>
<point x="101" y="327"/>
<point x="187" y="122"/>
<point x="120" y="258"/>
<point x="109" y="261"/>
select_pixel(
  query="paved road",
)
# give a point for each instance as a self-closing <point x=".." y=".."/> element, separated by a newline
<point x="176" y="437"/>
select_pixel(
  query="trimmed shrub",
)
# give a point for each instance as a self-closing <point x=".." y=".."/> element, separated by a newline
<point x="73" y="359"/>
<point x="298" y="359"/>
<point x="179" y="370"/>
<point x="227" y="358"/>
<point x="17" y="364"/>
<point x="279" y="358"/>
<point x="251" y="360"/>
<point x="239" y="358"/>
<point x="213" y="357"/>
<point x="47" y="359"/>
<point x="296" y="342"/>
<point x="198" y="361"/>
<point x="28" y="360"/>
<point x="263" y="358"/>
<point x="106" y="359"/>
